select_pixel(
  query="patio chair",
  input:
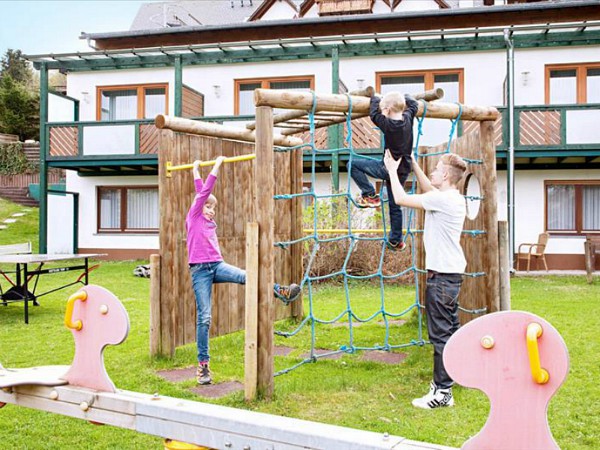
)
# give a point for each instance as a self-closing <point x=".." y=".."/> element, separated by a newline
<point x="536" y="251"/>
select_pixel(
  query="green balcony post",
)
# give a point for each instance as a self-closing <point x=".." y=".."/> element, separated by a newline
<point x="43" y="233"/>
<point x="178" y="87"/>
<point x="334" y="131"/>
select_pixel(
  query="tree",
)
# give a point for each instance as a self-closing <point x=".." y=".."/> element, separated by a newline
<point x="16" y="67"/>
<point x="19" y="109"/>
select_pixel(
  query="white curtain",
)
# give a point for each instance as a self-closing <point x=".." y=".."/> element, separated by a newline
<point x="561" y="207"/>
<point x="155" y="102"/>
<point x="246" y="98"/>
<point x="591" y="208"/>
<point x="593" y="86"/>
<point x="142" y="208"/>
<point x="110" y="208"/>
<point x="119" y="105"/>
<point x="404" y="84"/>
<point x="563" y="87"/>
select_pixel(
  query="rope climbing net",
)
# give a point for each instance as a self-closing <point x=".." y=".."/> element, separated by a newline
<point x="388" y="309"/>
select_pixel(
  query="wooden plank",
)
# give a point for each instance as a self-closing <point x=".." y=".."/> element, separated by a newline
<point x="490" y="207"/>
<point x="296" y="165"/>
<point x="166" y="142"/>
<point x="155" y="344"/>
<point x="187" y="298"/>
<point x="264" y="183"/>
<point x="251" y="309"/>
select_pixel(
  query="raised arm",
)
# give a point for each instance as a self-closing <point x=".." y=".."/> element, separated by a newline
<point x="400" y="196"/>
<point x="422" y="179"/>
<point x="375" y="113"/>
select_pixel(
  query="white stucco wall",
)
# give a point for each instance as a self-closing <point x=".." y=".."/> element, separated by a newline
<point x="60" y="109"/>
<point x="82" y="85"/>
<point x="88" y="215"/>
<point x="60" y="224"/>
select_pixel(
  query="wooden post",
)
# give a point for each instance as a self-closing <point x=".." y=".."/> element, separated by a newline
<point x="155" y="347"/>
<point x="504" y="261"/>
<point x="250" y="350"/>
<point x="490" y="206"/>
<point x="589" y="260"/>
<point x="338" y="102"/>
<point x="265" y="188"/>
<point x="296" y="166"/>
<point x="216" y="130"/>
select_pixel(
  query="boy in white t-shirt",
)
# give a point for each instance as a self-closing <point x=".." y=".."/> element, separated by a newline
<point x="445" y="211"/>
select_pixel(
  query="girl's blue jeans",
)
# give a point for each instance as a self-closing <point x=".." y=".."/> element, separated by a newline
<point x="203" y="277"/>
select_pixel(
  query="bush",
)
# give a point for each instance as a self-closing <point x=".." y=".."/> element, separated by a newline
<point x="13" y="160"/>
<point x="331" y="254"/>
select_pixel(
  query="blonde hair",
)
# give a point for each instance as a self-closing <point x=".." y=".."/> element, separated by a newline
<point x="456" y="167"/>
<point x="209" y="200"/>
<point x="394" y="101"/>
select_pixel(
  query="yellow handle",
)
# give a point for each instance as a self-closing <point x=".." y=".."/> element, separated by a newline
<point x="171" y="168"/>
<point x="534" y="331"/>
<point x="77" y="325"/>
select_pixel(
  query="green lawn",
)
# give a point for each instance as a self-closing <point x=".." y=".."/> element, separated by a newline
<point x="348" y="391"/>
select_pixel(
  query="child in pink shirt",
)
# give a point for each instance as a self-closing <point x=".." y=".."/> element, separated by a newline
<point x="207" y="265"/>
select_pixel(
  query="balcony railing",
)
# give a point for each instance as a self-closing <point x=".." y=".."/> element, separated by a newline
<point x="563" y="130"/>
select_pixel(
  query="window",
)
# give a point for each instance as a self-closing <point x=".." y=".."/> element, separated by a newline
<point x="128" y="209"/>
<point x="244" y="90"/>
<point x="450" y="80"/>
<point x="306" y="189"/>
<point x="573" y="207"/>
<point x="573" y="83"/>
<point x="131" y="102"/>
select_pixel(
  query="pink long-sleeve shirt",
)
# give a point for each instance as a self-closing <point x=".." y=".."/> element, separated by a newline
<point x="202" y="241"/>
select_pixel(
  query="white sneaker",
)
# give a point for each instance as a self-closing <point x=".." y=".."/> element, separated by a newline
<point x="435" y="398"/>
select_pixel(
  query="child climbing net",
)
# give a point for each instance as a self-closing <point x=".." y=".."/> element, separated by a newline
<point x="386" y="312"/>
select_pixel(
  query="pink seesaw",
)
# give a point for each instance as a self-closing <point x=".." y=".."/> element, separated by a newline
<point x="519" y="361"/>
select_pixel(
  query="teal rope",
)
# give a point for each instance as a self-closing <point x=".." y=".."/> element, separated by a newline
<point x="383" y="312"/>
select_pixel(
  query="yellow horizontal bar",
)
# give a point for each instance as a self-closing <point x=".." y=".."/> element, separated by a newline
<point x="341" y="231"/>
<point x="247" y="157"/>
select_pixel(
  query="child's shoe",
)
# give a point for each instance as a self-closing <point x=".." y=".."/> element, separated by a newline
<point x="287" y="294"/>
<point x="435" y="398"/>
<point x="395" y="246"/>
<point x="368" y="201"/>
<point x="203" y="374"/>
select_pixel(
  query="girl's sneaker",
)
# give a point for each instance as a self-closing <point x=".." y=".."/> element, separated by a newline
<point x="203" y="374"/>
<point x="287" y="294"/>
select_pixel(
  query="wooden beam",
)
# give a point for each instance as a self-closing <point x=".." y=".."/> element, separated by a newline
<point x="336" y="102"/>
<point x="489" y="185"/>
<point x="155" y="341"/>
<point x="217" y="130"/>
<point x="265" y="207"/>
<point x="251" y="327"/>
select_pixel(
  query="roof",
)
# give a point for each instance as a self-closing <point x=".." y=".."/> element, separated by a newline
<point x="407" y="21"/>
<point x="185" y="13"/>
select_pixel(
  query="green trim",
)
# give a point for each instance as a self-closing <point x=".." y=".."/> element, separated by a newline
<point x="43" y="219"/>
<point x="94" y="160"/>
<point x="333" y="132"/>
<point x="60" y="94"/>
<point x="80" y="140"/>
<point x="137" y="138"/>
<point x="320" y="51"/>
<point x="178" y="87"/>
<point x="563" y="127"/>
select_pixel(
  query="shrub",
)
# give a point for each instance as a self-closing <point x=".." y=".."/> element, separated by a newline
<point x="331" y="254"/>
<point x="13" y="160"/>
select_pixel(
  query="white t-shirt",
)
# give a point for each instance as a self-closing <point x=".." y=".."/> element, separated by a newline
<point x="445" y="213"/>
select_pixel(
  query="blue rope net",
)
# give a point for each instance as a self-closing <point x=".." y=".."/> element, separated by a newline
<point x="386" y="312"/>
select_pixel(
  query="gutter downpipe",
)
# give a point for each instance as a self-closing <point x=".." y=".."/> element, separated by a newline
<point x="510" y="160"/>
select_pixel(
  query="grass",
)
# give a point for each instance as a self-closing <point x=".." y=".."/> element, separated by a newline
<point x="348" y="392"/>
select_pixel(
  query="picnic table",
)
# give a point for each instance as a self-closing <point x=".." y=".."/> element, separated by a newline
<point x="28" y="268"/>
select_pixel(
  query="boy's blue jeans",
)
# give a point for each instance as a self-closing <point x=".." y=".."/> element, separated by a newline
<point x="203" y="277"/>
<point x="376" y="169"/>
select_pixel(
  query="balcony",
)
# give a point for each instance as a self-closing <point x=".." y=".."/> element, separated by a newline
<point x="545" y="136"/>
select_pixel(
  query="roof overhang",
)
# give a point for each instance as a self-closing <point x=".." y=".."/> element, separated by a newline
<point x="453" y="18"/>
